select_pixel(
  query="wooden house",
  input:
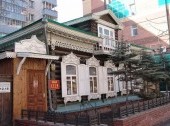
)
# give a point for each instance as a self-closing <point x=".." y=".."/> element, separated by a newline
<point x="47" y="63"/>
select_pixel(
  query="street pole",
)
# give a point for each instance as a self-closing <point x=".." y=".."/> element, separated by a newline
<point x="168" y="23"/>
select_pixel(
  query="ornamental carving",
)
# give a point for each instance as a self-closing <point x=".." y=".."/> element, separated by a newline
<point x="72" y="98"/>
<point x="94" y="96"/>
<point x="93" y="62"/>
<point x="110" y="94"/>
<point x="71" y="58"/>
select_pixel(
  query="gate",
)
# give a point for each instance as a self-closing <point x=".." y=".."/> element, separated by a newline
<point x="5" y="101"/>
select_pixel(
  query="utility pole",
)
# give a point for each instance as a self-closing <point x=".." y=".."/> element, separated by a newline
<point x="168" y="19"/>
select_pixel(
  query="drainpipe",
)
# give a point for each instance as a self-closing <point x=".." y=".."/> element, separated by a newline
<point x="44" y="21"/>
<point x="168" y="19"/>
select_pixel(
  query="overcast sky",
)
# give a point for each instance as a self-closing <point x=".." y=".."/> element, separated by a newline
<point x="69" y="9"/>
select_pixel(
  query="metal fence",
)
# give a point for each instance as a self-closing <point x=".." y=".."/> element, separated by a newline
<point x="95" y="116"/>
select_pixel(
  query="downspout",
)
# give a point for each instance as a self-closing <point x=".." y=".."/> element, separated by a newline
<point x="44" y="21"/>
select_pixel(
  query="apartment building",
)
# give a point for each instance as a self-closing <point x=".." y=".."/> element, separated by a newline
<point x="14" y="14"/>
<point x="144" y="22"/>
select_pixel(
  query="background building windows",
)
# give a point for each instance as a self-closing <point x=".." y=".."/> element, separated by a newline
<point x="134" y="30"/>
<point x="31" y="4"/>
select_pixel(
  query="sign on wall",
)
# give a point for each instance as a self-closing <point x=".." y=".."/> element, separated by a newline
<point x="54" y="84"/>
<point x="5" y="87"/>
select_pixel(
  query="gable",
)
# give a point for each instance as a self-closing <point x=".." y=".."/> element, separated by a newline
<point x="109" y="19"/>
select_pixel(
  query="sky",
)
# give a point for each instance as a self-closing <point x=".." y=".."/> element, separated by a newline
<point x="69" y="9"/>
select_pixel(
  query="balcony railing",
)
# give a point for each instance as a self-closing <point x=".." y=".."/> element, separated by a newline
<point x="54" y="2"/>
<point x="49" y="12"/>
<point x="110" y="47"/>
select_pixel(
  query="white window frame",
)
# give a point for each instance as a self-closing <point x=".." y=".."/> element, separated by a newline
<point x="134" y="30"/>
<point x="108" y="40"/>
<point x="92" y="79"/>
<point x="71" y="80"/>
<point x="110" y="81"/>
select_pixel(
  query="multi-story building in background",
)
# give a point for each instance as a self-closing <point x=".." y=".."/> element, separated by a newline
<point x="15" y="14"/>
<point x="11" y="15"/>
<point x="144" y="22"/>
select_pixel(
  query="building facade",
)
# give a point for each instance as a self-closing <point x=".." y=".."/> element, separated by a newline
<point x="14" y="14"/>
<point x="52" y="64"/>
<point x="144" y="23"/>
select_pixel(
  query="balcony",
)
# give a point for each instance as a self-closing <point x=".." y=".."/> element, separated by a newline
<point x="18" y="2"/>
<point x="54" y="2"/>
<point x="49" y="12"/>
<point x="103" y="49"/>
<point x="16" y="16"/>
<point x="7" y="28"/>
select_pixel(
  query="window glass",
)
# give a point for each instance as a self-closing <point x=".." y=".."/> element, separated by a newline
<point x="93" y="80"/>
<point x="134" y="30"/>
<point x="92" y="70"/>
<point x="110" y="80"/>
<point x="70" y="70"/>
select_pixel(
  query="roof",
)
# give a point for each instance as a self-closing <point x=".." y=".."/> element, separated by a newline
<point x="94" y="16"/>
<point x="11" y="38"/>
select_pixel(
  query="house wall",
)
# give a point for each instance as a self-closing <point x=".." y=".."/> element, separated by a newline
<point x="6" y="67"/>
<point x="20" y="83"/>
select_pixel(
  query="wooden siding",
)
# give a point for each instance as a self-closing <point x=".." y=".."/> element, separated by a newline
<point x="56" y="74"/>
<point x="6" y="66"/>
<point x="20" y="83"/>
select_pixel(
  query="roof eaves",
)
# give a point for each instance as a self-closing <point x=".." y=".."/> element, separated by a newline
<point x="72" y="28"/>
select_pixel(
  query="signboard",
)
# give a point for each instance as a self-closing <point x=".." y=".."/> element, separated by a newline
<point x="5" y="87"/>
<point x="54" y="84"/>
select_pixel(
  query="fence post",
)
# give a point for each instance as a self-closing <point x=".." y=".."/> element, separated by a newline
<point x="120" y="116"/>
<point x="127" y="112"/>
<point x="138" y="106"/>
<point x="133" y="107"/>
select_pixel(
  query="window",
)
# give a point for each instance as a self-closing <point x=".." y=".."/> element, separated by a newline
<point x="108" y="35"/>
<point x="31" y="4"/>
<point x="134" y="30"/>
<point x="93" y="80"/>
<point x="71" y="80"/>
<point x="110" y="80"/>
<point x="31" y="17"/>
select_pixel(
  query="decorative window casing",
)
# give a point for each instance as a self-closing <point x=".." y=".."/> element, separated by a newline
<point x="69" y="68"/>
<point x="93" y="64"/>
<point x="108" y="35"/>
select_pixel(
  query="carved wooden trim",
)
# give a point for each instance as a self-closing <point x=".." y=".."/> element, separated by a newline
<point x="93" y="61"/>
<point x="71" y="58"/>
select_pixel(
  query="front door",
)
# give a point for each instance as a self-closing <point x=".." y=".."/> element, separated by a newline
<point x="36" y="90"/>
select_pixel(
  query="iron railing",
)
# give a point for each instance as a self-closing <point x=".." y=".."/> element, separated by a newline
<point x="95" y="116"/>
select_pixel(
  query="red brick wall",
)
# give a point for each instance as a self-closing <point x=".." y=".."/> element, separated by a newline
<point x="97" y="5"/>
<point x="144" y="37"/>
<point x="146" y="118"/>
